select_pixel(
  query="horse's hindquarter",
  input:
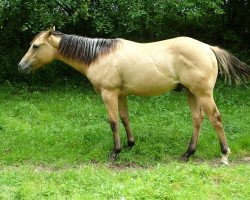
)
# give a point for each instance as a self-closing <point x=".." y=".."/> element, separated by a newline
<point x="194" y="63"/>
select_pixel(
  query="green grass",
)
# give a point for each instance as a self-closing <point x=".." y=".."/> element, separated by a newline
<point x="55" y="144"/>
<point x="171" y="181"/>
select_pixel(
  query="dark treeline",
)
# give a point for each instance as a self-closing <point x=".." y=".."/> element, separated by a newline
<point x="220" y="22"/>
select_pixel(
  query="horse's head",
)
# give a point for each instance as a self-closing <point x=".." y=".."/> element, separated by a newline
<point x="41" y="52"/>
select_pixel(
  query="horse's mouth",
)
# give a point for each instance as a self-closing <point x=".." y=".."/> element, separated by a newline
<point x="24" y="69"/>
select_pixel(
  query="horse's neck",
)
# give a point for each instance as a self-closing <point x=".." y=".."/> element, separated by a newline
<point x="54" y="41"/>
<point x="75" y="64"/>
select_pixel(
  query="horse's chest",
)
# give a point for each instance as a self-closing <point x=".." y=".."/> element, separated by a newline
<point x="104" y="79"/>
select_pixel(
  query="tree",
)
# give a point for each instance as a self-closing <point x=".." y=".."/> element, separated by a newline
<point x="216" y="22"/>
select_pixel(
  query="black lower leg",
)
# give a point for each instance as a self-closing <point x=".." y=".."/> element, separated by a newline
<point x="131" y="141"/>
<point x="131" y="144"/>
<point x="114" y="154"/>
<point x="190" y="151"/>
<point x="224" y="148"/>
<point x="117" y="146"/>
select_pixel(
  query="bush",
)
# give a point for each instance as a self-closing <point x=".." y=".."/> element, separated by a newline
<point x="144" y="20"/>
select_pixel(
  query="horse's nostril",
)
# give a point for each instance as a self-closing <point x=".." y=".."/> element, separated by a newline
<point x="24" y="68"/>
<point x="21" y="64"/>
<point x="20" y="67"/>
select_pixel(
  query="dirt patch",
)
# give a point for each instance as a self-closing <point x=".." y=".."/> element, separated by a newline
<point x="116" y="166"/>
<point x="216" y="162"/>
<point x="246" y="160"/>
<point x="197" y="161"/>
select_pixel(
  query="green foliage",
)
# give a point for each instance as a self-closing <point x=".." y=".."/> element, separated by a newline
<point x="154" y="19"/>
<point x="36" y="15"/>
<point x="215" y="22"/>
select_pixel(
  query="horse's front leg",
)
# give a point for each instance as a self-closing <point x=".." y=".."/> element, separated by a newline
<point x="110" y="99"/>
<point x="124" y="114"/>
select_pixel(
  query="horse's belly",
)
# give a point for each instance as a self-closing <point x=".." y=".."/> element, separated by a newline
<point x="149" y="87"/>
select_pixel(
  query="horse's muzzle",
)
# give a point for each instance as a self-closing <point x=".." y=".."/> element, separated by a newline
<point x="24" y="67"/>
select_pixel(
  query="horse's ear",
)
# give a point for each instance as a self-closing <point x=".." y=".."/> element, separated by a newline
<point x="53" y="29"/>
<point x="50" y="32"/>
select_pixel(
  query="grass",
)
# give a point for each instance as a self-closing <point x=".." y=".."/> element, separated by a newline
<point x="55" y="143"/>
<point x="171" y="181"/>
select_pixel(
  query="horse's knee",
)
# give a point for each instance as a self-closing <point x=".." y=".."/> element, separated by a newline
<point x="113" y="126"/>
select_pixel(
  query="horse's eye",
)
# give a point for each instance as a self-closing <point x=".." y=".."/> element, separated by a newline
<point x="35" y="46"/>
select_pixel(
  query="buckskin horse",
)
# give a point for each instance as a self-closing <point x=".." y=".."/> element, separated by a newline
<point x="118" y="68"/>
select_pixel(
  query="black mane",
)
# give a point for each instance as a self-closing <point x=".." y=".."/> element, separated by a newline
<point x="84" y="49"/>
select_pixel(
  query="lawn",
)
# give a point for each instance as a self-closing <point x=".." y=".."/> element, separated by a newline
<point x="55" y="143"/>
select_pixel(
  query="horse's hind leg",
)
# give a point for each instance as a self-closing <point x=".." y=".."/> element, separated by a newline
<point x="197" y="117"/>
<point x="124" y="115"/>
<point x="208" y="105"/>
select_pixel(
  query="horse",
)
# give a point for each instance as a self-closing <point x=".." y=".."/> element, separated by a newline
<point x="118" y="68"/>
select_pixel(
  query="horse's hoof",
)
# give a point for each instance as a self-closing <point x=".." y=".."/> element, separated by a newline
<point x="224" y="158"/>
<point x="184" y="158"/>
<point x="112" y="159"/>
<point x="130" y="144"/>
<point x="113" y="156"/>
<point x="225" y="162"/>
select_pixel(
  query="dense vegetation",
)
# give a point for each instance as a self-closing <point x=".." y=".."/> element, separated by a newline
<point x="220" y="22"/>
